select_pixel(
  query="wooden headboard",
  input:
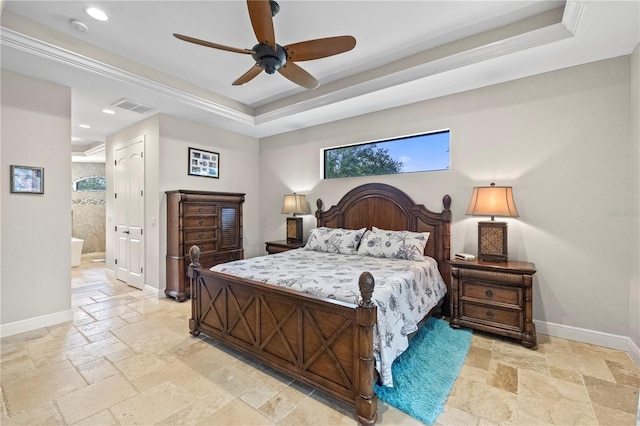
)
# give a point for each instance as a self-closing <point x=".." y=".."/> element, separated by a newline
<point x="387" y="207"/>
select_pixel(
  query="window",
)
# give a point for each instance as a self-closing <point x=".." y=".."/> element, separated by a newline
<point x="416" y="153"/>
<point x="91" y="183"/>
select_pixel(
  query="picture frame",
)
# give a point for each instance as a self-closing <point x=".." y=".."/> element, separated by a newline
<point x="204" y="163"/>
<point x="27" y="179"/>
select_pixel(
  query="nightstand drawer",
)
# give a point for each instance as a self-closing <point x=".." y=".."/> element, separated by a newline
<point x="274" y="247"/>
<point x="492" y="293"/>
<point x="491" y="315"/>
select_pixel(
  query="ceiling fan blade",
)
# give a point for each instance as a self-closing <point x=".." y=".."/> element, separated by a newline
<point x="262" y="21"/>
<point x="319" y="48"/>
<point x="248" y="76"/>
<point x="214" y="45"/>
<point x="298" y="75"/>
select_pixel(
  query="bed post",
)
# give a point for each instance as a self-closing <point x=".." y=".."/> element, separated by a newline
<point x="366" y="314"/>
<point x="194" y="254"/>
<point x="445" y="267"/>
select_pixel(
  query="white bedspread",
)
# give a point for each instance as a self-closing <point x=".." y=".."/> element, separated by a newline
<point x="404" y="291"/>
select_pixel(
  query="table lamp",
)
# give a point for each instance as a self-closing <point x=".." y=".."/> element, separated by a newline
<point x="295" y="204"/>
<point x="492" y="235"/>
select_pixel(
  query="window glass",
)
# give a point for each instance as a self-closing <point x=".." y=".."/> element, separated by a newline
<point x="91" y="183"/>
<point x="408" y="154"/>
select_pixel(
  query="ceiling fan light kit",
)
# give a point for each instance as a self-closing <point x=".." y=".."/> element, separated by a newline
<point x="270" y="56"/>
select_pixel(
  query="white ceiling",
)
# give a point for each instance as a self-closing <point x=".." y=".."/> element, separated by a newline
<point x="406" y="51"/>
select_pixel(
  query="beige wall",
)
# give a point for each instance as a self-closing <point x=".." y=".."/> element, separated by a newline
<point x="238" y="171"/>
<point x="634" y="282"/>
<point x="35" y="285"/>
<point x="561" y="139"/>
<point x="167" y="140"/>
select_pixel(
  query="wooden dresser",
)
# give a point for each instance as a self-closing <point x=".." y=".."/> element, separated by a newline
<point x="495" y="297"/>
<point x="211" y="220"/>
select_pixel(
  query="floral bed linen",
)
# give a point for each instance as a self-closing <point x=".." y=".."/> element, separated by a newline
<point x="404" y="291"/>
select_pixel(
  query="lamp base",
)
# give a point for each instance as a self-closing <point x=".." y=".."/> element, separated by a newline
<point x="294" y="229"/>
<point x="492" y="241"/>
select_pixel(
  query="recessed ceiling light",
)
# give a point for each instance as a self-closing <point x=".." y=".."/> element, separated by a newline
<point x="108" y="111"/>
<point x="84" y="126"/>
<point x="96" y="13"/>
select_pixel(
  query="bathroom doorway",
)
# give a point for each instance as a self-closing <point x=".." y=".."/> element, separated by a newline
<point x="88" y="210"/>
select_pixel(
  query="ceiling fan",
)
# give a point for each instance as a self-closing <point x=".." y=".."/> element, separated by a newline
<point x="272" y="57"/>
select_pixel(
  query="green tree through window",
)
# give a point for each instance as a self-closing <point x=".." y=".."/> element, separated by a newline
<point x="360" y="160"/>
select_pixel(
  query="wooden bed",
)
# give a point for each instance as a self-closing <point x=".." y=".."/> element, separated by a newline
<point x="325" y="343"/>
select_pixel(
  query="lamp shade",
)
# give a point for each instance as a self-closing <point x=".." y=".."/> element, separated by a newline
<point x="296" y="204"/>
<point x="492" y="201"/>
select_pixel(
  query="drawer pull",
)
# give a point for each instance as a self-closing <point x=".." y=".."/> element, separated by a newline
<point x="489" y="314"/>
<point x="201" y="222"/>
<point x="200" y="210"/>
<point x="489" y="293"/>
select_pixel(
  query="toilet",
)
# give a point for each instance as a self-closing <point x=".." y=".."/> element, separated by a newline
<point x="76" y="251"/>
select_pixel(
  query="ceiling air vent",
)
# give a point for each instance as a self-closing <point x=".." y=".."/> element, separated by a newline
<point x="134" y="106"/>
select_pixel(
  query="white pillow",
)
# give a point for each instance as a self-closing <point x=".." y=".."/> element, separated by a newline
<point x="335" y="240"/>
<point x="394" y="244"/>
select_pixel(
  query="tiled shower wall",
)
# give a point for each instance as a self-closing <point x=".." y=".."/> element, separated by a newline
<point x="88" y="209"/>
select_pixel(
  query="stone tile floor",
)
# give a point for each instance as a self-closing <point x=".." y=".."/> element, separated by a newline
<point x="128" y="358"/>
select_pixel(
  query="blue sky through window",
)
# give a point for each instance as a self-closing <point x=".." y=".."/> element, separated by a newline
<point x="420" y="153"/>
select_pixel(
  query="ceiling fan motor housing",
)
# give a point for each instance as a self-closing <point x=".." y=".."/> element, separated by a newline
<point x="270" y="60"/>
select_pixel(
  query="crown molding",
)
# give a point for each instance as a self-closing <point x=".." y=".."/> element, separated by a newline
<point x="22" y="42"/>
<point x="528" y="40"/>
<point x="416" y="68"/>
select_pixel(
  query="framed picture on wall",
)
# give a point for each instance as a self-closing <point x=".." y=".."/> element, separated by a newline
<point x="27" y="180"/>
<point x="204" y="163"/>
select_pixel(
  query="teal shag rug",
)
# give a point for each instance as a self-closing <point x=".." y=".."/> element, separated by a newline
<point x="423" y="375"/>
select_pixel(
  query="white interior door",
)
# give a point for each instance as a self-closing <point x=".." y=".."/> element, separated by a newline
<point x="129" y="203"/>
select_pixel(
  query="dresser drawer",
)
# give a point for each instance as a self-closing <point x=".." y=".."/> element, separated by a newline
<point x="212" y="259"/>
<point x="210" y="245"/>
<point x="491" y="293"/>
<point x="199" y="222"/>
<point x="199" y="209"/>
<point x="491" y="315"/>
<point x="198" y="235"/>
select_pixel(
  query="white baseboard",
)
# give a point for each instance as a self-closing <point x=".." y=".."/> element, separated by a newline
<point x="613" y="341"/>
<point x="151" y="291"/>
<point x="109" y="273"/>
<point x="154" y="292"/>
<point x="634" y="351"/>
<point x="35" y="323"/>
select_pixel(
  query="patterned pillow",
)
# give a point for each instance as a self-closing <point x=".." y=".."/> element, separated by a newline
<point x="394" y="244"/>
<point x="335" y="240"/>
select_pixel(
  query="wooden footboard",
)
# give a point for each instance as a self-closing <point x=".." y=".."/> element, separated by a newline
<point x="323" y="342"/>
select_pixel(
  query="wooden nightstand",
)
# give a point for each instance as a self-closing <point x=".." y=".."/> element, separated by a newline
<point x="495" y="297"/>
<point x="273" y="247"/>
